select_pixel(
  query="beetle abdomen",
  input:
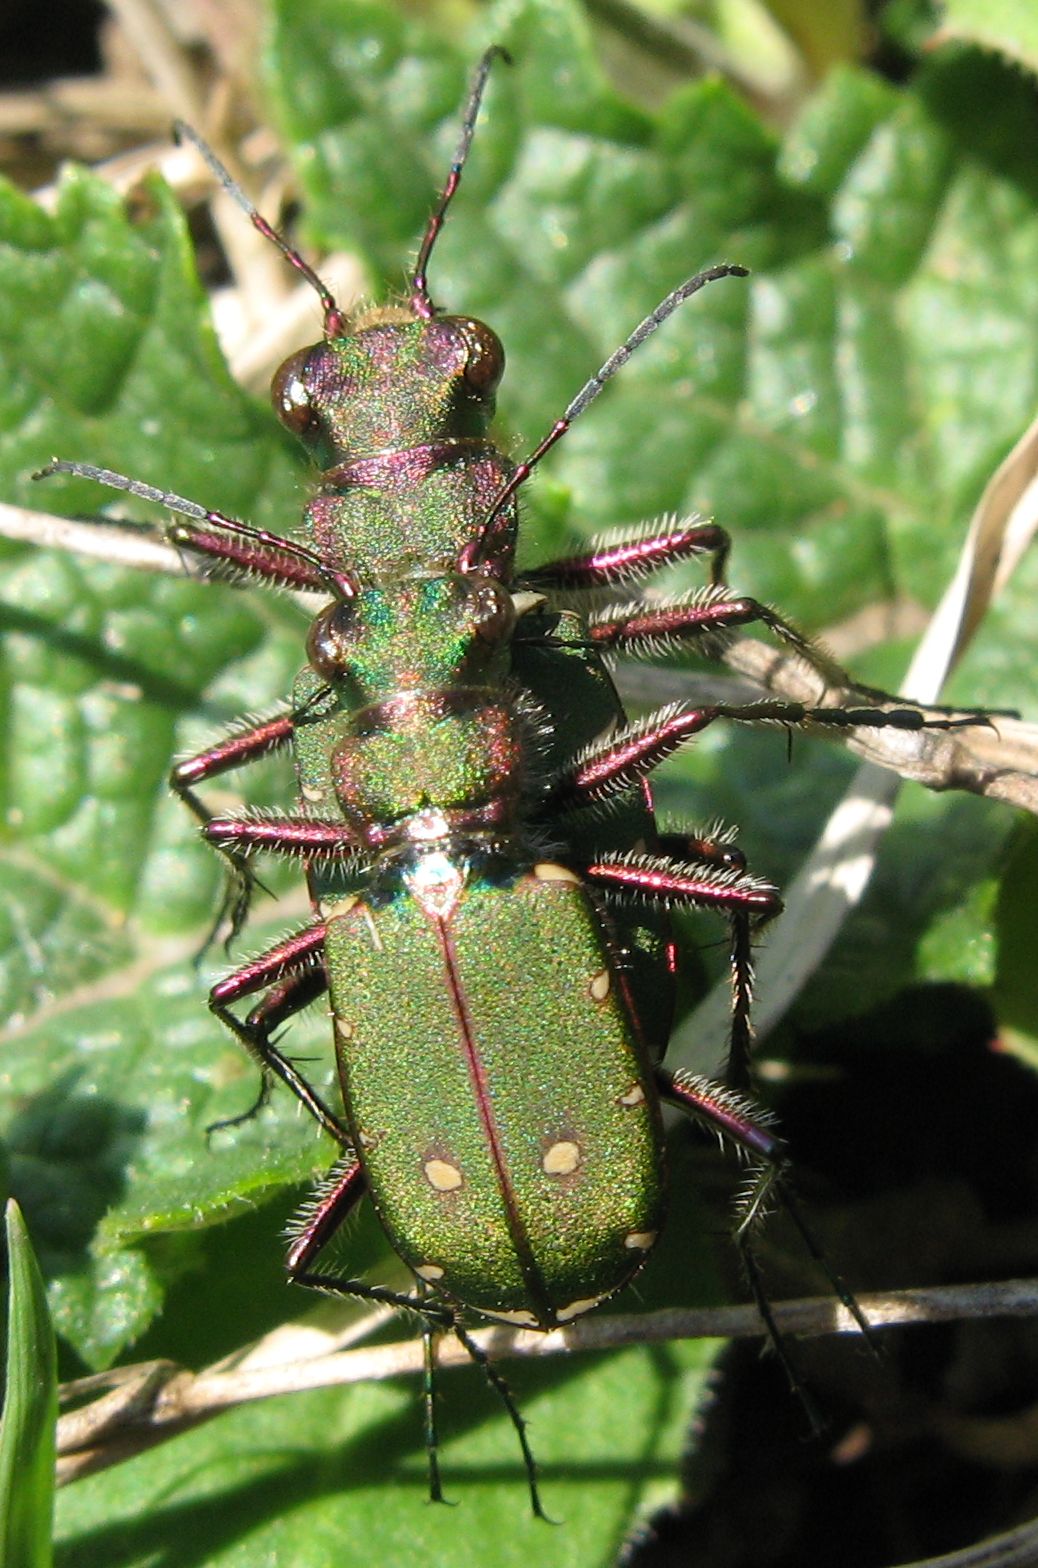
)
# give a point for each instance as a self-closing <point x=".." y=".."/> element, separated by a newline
<point x="498" y="1094"/>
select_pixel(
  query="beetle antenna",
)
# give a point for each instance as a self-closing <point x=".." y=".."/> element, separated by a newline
<point x="421" y="304"/>
<point x="335" y="324"/>
<point x="482" y="546"/>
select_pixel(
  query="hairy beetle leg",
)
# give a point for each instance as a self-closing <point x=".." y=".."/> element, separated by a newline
<point x="293" y="968"/>
<point x="615" y="562"/>
<point x="748" y="1128"/>
<point x="321" y="1218"/>
<point x="332" y="1203"/>
<point x="236" y="750"/>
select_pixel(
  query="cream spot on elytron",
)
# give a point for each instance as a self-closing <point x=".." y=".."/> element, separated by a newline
<point x="562" y="1159"/>
<point x="313" y="795"/>
<point x="640" y="1240"/>
<point x="373" y="931"/>
<point x="548" y="871"/>
<point x="335" y="908"/>
<point x="429" y="1271"/>
<point x="576" y="1308"/>
<point x="442" y="1176"/>
<point x="635" y="1095"/>
<point x="599" y="987"/>
<point x="521" y="1319"/>
<point x="343" y="1028"/>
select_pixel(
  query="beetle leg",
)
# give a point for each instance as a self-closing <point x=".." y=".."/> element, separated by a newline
<point x="736" y="1122"/>
<point x="430" y="1427"/>
<point x="706" y="617"/>
<point x="613" y="561"/>
<point x="236" y="750"/>
<point x="290" y="996"/>
<point x="750" y="1129"/>
<point x="436" y="1317"/>
<point x="717" y="849"/>
<point x="244" y="551"/>
<point x="332" y="1203"/>
<point x="432" y="1436"/>
<point x="714" y="850"/>
<point x="617" y="764"/>
<point x="504" y="1393"/>
<point x="282" y="835"/>
<point x="740" y="1033"/>
<point x="722" y="885"/>
<point x="700" y="886"/>
<point x="292" y="968"/>
<point x="316" y="1224"/>
<point x="735" y="1119"/>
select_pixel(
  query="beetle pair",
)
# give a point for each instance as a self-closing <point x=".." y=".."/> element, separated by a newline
<point x="489" y="888"/>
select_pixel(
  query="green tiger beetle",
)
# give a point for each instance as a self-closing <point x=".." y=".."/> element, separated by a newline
<point x="489" y="888"/>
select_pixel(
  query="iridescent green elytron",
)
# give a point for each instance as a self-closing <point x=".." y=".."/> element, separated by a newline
<point x="469" y="795"/>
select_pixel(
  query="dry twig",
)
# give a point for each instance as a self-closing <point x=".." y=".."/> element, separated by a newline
<point x="148" y="1404"/>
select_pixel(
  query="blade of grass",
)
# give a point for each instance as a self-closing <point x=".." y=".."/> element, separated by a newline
<point x="30" y="1410"/>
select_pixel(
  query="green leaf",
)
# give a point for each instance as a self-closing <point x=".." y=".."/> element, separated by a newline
<point x="333" y="1478"/>
<point x="30" y="1410"/>
<point x="839" y="413"/>
<point x="108" y="675"/>
<point x="1010" y="27"/>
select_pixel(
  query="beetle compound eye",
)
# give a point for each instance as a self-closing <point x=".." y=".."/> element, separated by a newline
<point x="328" y="642"/>
<point x="289" y="396"/>
<point x="486" y="357"/>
